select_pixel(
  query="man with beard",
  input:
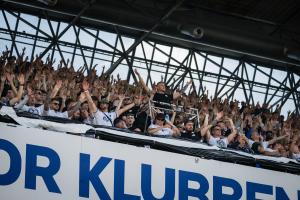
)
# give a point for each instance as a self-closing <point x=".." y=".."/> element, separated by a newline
<point x="189" y="133"/>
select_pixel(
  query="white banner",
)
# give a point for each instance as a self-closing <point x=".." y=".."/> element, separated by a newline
<point x="39" y="164"/>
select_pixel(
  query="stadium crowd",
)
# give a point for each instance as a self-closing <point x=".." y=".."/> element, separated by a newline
<point x="39" y="88"/>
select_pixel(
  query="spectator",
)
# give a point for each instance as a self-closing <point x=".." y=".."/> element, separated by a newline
<point x="215" y="138"/>
<point x="294" y="148"/>
<point x="102" y="116"/>
<point x="38" y="88"/>
<point x="161" y="127"/>
<point x="13" y="96"/>
<point x="159" y="94"/>
<point x="30" y="103"/>
<point x="53" y="107"/>
<point x="120" y="123"/>
<point x="189" y="133"/>
<point x="259" y="146"/>
<point x="241" y="143"/>
<point x="129" y="120"/>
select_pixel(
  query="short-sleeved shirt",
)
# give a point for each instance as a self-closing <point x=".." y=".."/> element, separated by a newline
<point x="218" y="142"/>
<point x="163" y="131"/>
<point x="296" y="156"/>
<point x="265" y="145"/>
<point x="53" y="113"/>
<point x="103" y="118"/>
<point x="34" y="109"/>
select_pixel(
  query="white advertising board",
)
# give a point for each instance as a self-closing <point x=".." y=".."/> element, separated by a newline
<point x="40" y="164"/>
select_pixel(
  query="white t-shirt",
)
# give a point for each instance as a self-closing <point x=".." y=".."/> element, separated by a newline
<point x="38" y="110"/>
<point x="100" y="118"/>
<point x="163" y="131"/>
<point x="265" y="144"/>
<point x="35" y="110"/>
<point x="296" y="156"/>
<point x="53" y="113"/>
<point x="251" y="142"/>
<point x="218" y="142"/>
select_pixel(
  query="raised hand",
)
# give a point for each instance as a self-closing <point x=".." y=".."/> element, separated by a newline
<point x="136" y="72"/>
<point x="29" y="90"/>
<point x="82" y="97"/>
<point x="3" y="78"/>
<point x="21" y="79"/>
<point x="9" y="77"/>
<point x="121" y="97"/>
<point x="85" y="85"/>
<point x="219" y="115"/>
<point x="58" y="84"/>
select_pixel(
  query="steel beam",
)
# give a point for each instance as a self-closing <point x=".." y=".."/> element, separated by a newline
<point x="143" y="37"/>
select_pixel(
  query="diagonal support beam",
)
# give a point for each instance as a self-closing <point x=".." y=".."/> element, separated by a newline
<point x="29" y="24"/>
<point x="67" y="28"/>
<point x="277" y="90"/>
<point x="80" y="47"/>
<point x="129" y="63"/>
<point x="181" y="64"/>
<point x="143" y="37"/>
<point x="54" y="35"/>
<point x="228" y="79"/>
<point x="11" y="34"/>
<point x="287" y="95"/>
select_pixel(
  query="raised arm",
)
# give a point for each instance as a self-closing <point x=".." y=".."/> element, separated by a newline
<point x="173" y="114"/>
<point x="205" y="128"/>
<point x="56" y="88"/>
<point x="3" y="78"/>
<point x="44" y="82"/>
<point x="176" y="94"/>
<point x="124" y="109"/>
<point x="82" y="98"/>
<point x="186" y="86"/>
<point x="275" y="139"/>
<point x="10" y="79"/>
<point x="86" y="87"/>
<point x="233" y="133"/>
<point x="16" y="99"/>
<point x="52" y="94"/>
<point x="142" y="81"/>
<point x="121" y="98"/>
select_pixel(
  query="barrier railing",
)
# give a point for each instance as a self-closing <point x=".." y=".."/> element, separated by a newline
<point x="168" y="109"/>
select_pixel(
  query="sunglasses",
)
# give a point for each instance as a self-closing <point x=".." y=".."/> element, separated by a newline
<point x="55" y="103"/>
<point x="160" y="119"/>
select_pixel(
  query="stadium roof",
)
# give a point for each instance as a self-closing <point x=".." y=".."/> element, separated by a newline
<point x="265" y="32"/>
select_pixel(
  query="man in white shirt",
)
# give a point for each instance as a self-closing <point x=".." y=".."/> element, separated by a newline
<point x="161" y="127"/>
<point x="215" y="138"/>
<point x="102" y="116"/>
<point x="262" y="147"/>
